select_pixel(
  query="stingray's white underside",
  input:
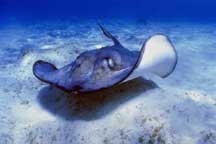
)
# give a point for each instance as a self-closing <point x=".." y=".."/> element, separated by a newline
<point x="158" y="56"/>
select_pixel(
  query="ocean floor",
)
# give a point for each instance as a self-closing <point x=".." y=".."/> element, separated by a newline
<point x="180" y="109"/>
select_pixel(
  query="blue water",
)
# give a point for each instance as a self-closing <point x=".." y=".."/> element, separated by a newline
<point x="141" y="9"/>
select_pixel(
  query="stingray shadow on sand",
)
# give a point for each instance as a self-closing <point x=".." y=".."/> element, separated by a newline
<point x="94" y="105"/>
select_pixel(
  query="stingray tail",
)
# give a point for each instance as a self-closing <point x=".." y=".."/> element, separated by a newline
<point x="157" y="56"/>
<point x="109" y="35"/>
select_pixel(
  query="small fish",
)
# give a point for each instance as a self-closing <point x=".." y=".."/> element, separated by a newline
<point x="110" y="65"/>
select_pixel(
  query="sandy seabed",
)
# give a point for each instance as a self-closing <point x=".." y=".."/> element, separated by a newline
<point x="180" y="109"/>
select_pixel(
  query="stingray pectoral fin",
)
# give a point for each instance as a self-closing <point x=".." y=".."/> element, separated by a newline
<point x="158" y="56"/>
<point x="43" y="70"/>
<point x="48" y="73"/>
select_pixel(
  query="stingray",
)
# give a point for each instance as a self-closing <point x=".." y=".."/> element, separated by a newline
<point x="110" y="65"/>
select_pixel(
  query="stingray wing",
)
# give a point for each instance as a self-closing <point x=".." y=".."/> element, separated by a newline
<point x="157" y="56"/>
<point x="48" y="73"/>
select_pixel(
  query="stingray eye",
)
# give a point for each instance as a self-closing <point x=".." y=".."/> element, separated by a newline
<point x="110" y="63"/>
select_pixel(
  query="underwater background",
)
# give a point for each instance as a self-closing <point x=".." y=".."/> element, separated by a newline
<point x="180" y="109"/>
<point x="49" y="9"/>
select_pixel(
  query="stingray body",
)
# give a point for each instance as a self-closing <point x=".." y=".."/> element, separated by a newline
<point x="102" y="68"/>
